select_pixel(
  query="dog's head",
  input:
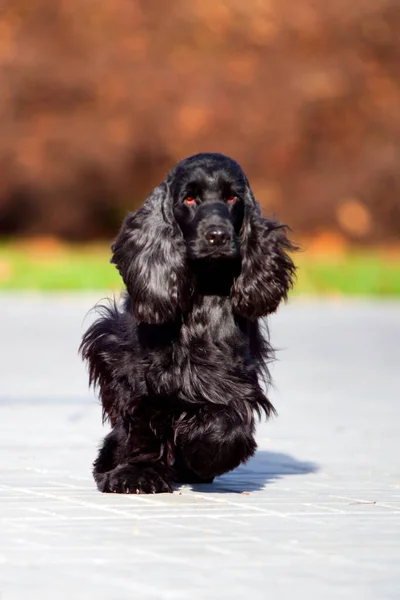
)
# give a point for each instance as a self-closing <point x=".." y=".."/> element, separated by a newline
<point x="208" y="193"/>
<point x="203" y="213"/>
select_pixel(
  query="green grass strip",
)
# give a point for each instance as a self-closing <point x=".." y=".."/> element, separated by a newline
<point x="26" y="267"/>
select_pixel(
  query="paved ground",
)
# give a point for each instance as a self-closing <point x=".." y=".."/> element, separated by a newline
<point x="316" y="514"/>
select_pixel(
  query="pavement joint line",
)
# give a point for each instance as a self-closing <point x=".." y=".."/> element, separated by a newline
<point x="73" y="502"/>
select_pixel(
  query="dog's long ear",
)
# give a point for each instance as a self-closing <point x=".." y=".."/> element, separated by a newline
<point x="150" y="254"/>
<point x="267" y="270"/>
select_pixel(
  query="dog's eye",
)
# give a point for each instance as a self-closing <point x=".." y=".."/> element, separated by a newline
<point x="232" y="199"/>
<point x="190" y="201"/>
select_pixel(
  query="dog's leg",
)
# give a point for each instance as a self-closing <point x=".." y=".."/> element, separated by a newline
<point x="115" y="470"/>
<point x="215" y="441"/>
<point x="185" y="475"/>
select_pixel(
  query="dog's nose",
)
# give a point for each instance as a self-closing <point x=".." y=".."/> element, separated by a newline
<point x="217" y="236"/>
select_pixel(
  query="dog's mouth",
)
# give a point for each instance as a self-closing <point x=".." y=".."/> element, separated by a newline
<point x="217" y="254"/>
<point x="208" y="251"/>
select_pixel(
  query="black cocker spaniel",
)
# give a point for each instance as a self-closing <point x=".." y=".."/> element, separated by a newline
<point x="178" y="364"/>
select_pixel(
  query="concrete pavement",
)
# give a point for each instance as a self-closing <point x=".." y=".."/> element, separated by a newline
<point x="316" y="514"/>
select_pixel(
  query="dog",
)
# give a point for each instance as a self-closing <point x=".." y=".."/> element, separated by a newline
<point x="180" y="361"/>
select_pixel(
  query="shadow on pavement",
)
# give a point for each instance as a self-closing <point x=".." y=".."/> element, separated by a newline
<point x="264" y="468"/>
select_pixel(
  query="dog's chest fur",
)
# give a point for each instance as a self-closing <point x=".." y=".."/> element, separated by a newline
<point x="207" y="359"/>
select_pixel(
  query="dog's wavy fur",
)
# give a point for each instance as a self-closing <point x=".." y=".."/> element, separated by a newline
<point x="179" y="362"/>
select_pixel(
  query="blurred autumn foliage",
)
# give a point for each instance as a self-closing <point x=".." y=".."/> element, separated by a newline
<point x="99" y="99"/>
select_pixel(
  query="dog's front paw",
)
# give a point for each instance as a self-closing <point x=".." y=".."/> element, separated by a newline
<point x="134" y="479"/>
